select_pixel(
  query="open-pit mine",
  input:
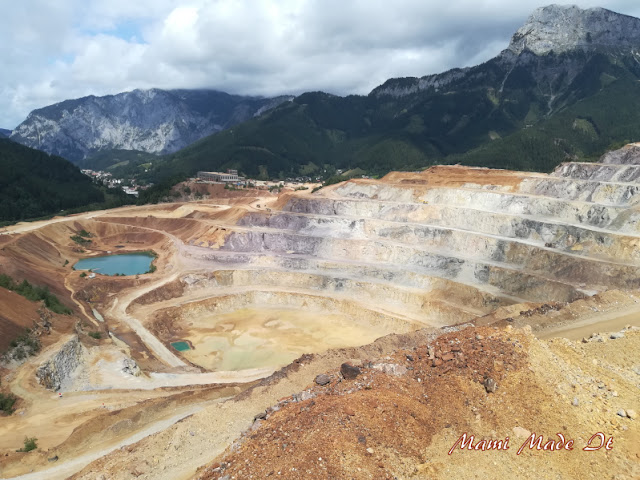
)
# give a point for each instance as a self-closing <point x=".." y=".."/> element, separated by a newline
<point x="432" y="285"/>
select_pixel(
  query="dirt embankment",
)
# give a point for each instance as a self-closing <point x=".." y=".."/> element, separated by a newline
<point x="401" y="416"/>
<point x="168" y="291"/>
<point x="35" y="258"/>
<point x="16" y="314"/>
<point x="98" y="292"/>
<point x="217" y="191"/>
<point x="105" y="427"/>
<point x="606" y="311"/>
<point x="457" y="176"/>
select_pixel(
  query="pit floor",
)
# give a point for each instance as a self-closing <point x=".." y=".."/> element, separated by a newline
<point x="269" y="337"/>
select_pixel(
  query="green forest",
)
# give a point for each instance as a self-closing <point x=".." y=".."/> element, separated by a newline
<point x="34" y="184"/>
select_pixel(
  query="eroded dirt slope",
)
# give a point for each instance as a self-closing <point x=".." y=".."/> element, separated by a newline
<point x="402" y="414"/>
<point x="16" y="315"/>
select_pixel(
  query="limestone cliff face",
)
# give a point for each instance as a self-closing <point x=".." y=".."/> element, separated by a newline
<point x="628" y="155"/>
<point x="153" y="121"/>
<point x="537" y="51"/>
<point x="56" y="371"/>
<point x="563" y="28"/>
<point x="409" y="86"/>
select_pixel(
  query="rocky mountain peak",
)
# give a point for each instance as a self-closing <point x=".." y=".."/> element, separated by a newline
<point x="560" y="28"/>
<point x="154" y="121"/>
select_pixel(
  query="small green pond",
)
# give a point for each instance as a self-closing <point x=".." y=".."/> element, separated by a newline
<point x="181" y="346"/>
<point x="125" y="263"/>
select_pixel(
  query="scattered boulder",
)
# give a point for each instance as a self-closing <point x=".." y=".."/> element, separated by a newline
<point x="521" y="432"/>
<point x="575" y="402"/>
<point x="622" y="413"/>
<point x="490" y="385"/>
<point x="598" y="337"/>
<point x="391" y="368"/>
<point x="130" y="367"/>
<point x="349" y="372"/>
<point x="303" y="396"/>
<point x="447" y="357"/>
<point x="617" y="335"/>
<point x="323" y="379"/>
<point x="542" y="310"/>
<point x="631" y="414"/>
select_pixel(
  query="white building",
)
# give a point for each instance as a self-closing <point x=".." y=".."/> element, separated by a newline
<point x="230" y="176"/>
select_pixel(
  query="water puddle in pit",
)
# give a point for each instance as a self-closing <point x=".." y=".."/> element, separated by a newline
<point x="125" y="264"/>
<point x="181" y="346"/>
<point x="255" y="338"/>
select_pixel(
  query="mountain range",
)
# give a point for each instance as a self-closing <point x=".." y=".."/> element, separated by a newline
<point x="153" y="121"/>
<point x="566" y="86"/>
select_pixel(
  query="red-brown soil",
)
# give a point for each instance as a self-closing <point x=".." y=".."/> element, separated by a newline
<point x="387" y="426"/>
<point x="16" y="314"/>
<point x="456" y="176"/>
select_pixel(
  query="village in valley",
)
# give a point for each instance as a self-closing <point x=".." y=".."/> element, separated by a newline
<point x="230" y="179"/>
<point x="130" y="187"/>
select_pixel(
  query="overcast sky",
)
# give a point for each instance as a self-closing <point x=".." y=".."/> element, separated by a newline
<point x="56" y="50"/>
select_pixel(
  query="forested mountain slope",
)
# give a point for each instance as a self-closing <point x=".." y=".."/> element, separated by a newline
<point x="33" y="183"/>
<point x="566" y="87"/>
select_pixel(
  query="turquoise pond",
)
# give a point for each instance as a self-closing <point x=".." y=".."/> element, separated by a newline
<point x="181" y="346"/>
<point x="126" y="263"/>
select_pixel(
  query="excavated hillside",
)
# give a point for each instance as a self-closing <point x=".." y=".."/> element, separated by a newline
<point x="255" y="295"/>
<point x="19" y="315"/>
<point x="402" y="416"/>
